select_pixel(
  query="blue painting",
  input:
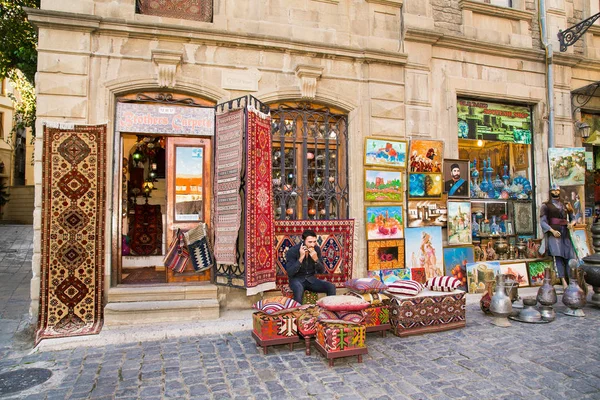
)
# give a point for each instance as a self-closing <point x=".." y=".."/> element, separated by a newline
<point x="425" y="185"/>
<point x="423" y="249"/>
<point x="455" y="263"/>
<point x="393" y="275"/>
<point x="385" y="152"/>
<point x="478" y="273"/>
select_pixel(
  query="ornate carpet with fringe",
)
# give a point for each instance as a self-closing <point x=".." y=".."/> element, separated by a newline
<point x="335" y="237"/>
<point x="73" y="221"/>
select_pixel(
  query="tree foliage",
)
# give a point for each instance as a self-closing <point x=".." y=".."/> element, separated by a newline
<point x="18" y="39"/>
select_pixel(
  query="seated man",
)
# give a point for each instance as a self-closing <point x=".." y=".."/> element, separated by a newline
<point x="303" y="261"/>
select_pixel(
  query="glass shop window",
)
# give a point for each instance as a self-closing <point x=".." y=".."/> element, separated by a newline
<point x="309" y="161"/>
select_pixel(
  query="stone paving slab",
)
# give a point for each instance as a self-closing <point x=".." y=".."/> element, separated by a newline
<point x="559" y="360"/>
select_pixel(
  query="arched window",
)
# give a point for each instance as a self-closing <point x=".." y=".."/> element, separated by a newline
<point x="310" y="161"/>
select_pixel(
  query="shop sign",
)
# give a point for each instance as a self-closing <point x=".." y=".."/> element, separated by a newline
<point x="588" y="212"/>
<point x="165" y="119"/>
<point x="493" y="121"/>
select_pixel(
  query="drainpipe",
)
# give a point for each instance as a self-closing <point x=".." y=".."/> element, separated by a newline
<point x="549" y="71"/>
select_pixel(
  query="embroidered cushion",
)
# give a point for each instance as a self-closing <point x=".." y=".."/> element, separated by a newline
<point x="341" y="317"/>
<point x="276" y="305"/>
<point x="405" y="287"/>
<point x="342" y="303"/>
<point x="374" y="299"/>
<point x="442" y="283"/>
<point x="365" y="285"/>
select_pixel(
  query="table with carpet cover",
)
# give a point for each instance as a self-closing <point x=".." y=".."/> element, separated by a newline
<point x="429" y="311"/>
<point x="270" y="330"/>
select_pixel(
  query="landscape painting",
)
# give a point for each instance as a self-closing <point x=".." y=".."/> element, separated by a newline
<point x="424" y="250"/>
<point x="382" y="185"/>
<point x="427" y="212"/>
<point x="459" y="223"/>
<point x="425" y="185"/>
<point x="392" y="275"/>
<point x="382" y="152"/>
<point x="567" y="166"/>
<point x="426" y="155"/>
<point x="455" y="263"/>
<point x="478" y="273"/>
<point x="518" y="271"/>
<point x="384" y="222"/>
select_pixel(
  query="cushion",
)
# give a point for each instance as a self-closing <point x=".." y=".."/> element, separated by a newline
<point x="442" y="283"/>
<point x="372" y="298"/>
<point x="341" y="317"/>
<point x="342" y="303"/>
<point x="276" y="305"/>
<point x="365" y="285"/>
<point x="405" y="287"/>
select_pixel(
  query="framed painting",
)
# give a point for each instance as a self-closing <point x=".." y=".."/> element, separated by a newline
<point x="574" y="195"/>
<point x="425" y="185"/>
<point x="418" y="275"/>
<point x="425" y="250"/>
<point x="384" y="152"/>
<point x="518" y="270"/>
<point x="393" y="275"/>
<point x="520" y="156"/>
<point x="567" y="166"/>
<point x="385" y="254"/>
<point x="478" y="273"/>
<point x="580" y="241"/>
<point x="457" y="178"/>
<point x="427" y="213"/>
<point x="522" y="213"/>
<point x="384" y="222"/>
<point x="383" y="185"/>
<point x="375" y="275"/>
<point x="459" y="223"/>
<point x="426" y="155"/>
<point x="455" y="263"/>
<point x="535" y="271"/>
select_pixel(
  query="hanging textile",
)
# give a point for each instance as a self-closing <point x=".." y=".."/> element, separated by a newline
<point x="146" y="230"/>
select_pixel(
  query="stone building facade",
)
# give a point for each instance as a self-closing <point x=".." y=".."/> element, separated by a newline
<point x="394" y="67"/>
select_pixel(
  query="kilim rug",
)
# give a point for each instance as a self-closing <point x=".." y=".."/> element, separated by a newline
<point x="334" y="237"/>
<point x="259" y="260"/>
<point x="228" y="164"/>
<point x="146" y="230"/>
<point x="73" y="225"/>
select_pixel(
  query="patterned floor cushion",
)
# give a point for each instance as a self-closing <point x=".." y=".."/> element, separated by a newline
<point x="307" y="298"/>
<point x="429" y="311"/>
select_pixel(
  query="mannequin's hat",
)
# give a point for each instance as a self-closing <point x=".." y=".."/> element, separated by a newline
<point x="554" y="187"/>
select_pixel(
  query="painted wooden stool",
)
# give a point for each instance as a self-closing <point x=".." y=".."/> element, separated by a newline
<point x="335" y="340"/>
<point x="272" y="330"/>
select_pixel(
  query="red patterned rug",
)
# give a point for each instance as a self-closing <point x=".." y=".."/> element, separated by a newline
<point x="335" y="237"/>
<point x="146" y="230"/>
<point x="259" y="260"/>
<point x="73" y="222"/>
<point x="228" y="165"/>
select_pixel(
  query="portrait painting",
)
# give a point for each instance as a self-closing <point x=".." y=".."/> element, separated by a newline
<point x="427" y="212"/>
<point x="535" y="270"/>
<point x="518" y="271"/>
<point x="575" y="196"/>
<point x="383" y="185"/>
<point x="455" y="263"/>
<point x="425" y="185"/>
<point x="479" y="273"/>
<point x="424" y="250"/>
<point x="580" y="242"/>
<point x="426" y="156"/>
<point x="456" y="178"/>
<point x="521" y="156"/>
<point x="522" y="213"/>
<point x="383" y="152"/>
<point x="567" y="166"/>
<point x="384" y="222"/>
<point x="459" y="223"/>
<point x="385" y="254"/>
<point x="392" y="275"/>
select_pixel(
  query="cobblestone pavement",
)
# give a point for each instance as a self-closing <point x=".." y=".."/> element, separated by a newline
<point x="559" y="360"/>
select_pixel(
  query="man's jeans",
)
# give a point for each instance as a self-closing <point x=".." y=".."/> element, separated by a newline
<point x="299" y="285"/>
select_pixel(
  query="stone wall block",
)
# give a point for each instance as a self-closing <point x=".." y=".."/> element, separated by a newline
<point x="79" y="6"/>
<point x="387" y="73"/>
<point x="62" y="106"/>
<point x="62" y="63"/>
<point x="386" y="92"/>
<point x="418" y="121"/>
<point x="37" y="240"/>
<point x="387" y="127"/>
<point x="63" y="39"/>
<point x="61" y="84"/>
<point x="387" y="109"/>
<point x="124" y="9"/>
<point x="417" y="86"/>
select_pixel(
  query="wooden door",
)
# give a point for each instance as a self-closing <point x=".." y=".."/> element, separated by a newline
<point x="189" y="193"/>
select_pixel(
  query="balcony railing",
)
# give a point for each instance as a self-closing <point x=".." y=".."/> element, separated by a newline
<point x="196" y="10"/>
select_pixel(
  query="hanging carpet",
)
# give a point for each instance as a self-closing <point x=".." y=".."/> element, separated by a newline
<point x="146" y="230"/>
<point x="334" y="237"/>
<point x="73" y="226"/>
<point x="259" y="260"/>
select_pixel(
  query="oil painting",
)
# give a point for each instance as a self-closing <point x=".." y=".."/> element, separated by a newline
<point x="384" y="222"/>
<point x="459" y="223"/>
<point x="382" y="185"/>
<point x="425" y="185"/>
<point x="518" y="271"/>
<point x="455" y="263"/>
<point x="457" y="178"/>
<point x="382" y="152"/>
<point x="385" y="254"/>
<point x="427" y="213"/>
<point x="535" y="270"/>
<point x="392" y="275"/>
<point x="580" y="242"/>
<point x="567" y="166"/>
<point x="575" y="196"/>
<point x="424" y="250"/>
<point x="426" y="155"/>
<point x="478" y="273"/>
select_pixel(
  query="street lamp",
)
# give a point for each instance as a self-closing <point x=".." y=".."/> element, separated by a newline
<point x="570" y="35"/>
<point x="584" y="129"/>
